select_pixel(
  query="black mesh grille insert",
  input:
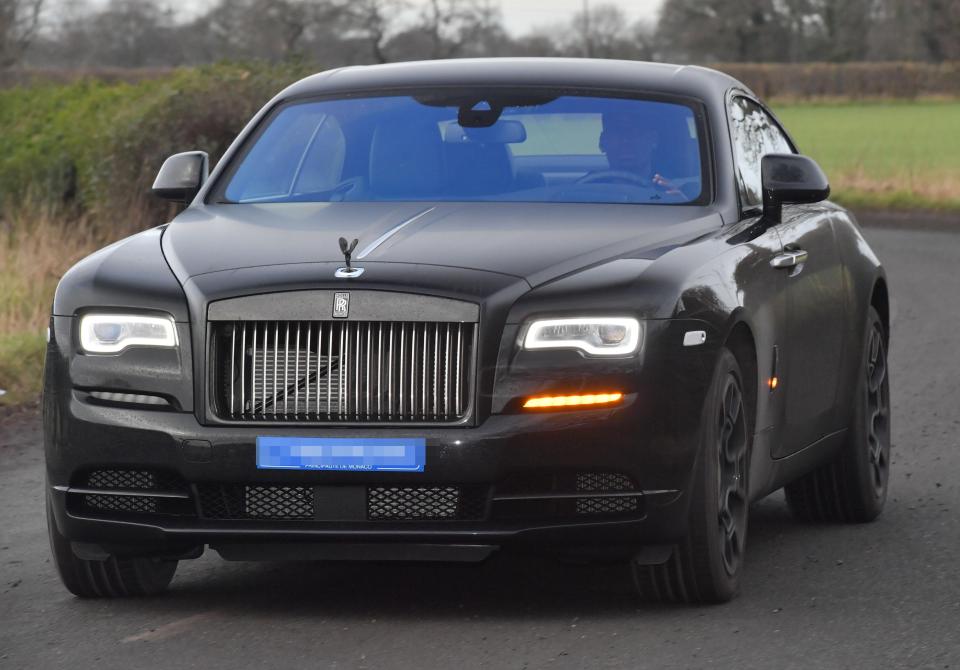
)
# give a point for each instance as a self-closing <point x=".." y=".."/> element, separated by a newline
<point x="605" y="482"/>
<point x="425" y="503"/>
<point x="566" y="494"/>
<point x="130" y="504"/>
<point x="255" y="501"/>
<point x="596" y="505"/>
<point x="150" y="480"/>
<point x="383" y="503"/>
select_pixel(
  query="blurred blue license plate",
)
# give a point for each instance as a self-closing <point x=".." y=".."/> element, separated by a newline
<point x="342" y="453"/>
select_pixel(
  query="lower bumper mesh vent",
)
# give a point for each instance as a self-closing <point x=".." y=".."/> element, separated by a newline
<point x="424" y="503"/>
<point x="566" y="495"/>
<point x="605" y="482"/>
<point x="150" y="480"/>
<point x="162" y="492"/>
<point x="128" y="504"/>
<point x="249" y="501"/>
<point x="383" y="503"/>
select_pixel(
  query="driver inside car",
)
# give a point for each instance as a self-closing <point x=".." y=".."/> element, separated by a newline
<point x="629" y="146"/>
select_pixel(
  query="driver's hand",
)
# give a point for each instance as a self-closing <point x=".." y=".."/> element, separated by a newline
<point x="665" y="184"/>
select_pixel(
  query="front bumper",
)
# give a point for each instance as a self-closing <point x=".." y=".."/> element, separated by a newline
<point x="525" y="469"/>
<point x="490" y="458"/>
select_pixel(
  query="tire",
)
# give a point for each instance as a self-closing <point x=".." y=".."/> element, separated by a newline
<point x="115" y="577"/>
<point x="705" y="567"/>
<point x="853" y="487"/>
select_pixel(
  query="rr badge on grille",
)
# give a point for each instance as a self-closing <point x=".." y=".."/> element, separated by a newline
<point x="341" y="305"/>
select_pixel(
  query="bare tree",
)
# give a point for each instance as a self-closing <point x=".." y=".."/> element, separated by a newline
<point x="456" y="25"/>
<point x="724" y="30"/>
<point x="374" y="20"/>
<point x="269" y="29"/>
<point x="19" y="20"/>
<point x="605" y="31"/>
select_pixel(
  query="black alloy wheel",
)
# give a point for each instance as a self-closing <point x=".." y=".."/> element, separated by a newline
<point x="705" y="566"/>
<point x="853" y="487"/>
<point x="877" y="413"/>
<point x="732" y="451"/>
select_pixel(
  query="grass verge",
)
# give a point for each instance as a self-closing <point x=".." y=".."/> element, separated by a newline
<point x="21" y="367"/>
<point x="883" y="155"/>
<point x="37" y="245"/>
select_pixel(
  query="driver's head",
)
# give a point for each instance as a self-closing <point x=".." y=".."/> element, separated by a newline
<point x="627" y="142"/>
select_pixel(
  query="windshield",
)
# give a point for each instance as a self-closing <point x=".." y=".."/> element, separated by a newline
<point x="473" y="146"/>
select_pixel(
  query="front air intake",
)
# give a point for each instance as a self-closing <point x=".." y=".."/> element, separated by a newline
<point x="347" y="371"/>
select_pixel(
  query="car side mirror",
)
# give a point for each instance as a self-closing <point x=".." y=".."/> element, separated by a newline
<point x="181" y="176"/>
<point x="790" y="179"/>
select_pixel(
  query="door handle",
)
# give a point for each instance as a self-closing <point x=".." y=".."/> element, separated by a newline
<point x="790" y="259"/>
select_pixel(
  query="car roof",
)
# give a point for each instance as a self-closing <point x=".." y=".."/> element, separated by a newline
<point x="681" y="80"/>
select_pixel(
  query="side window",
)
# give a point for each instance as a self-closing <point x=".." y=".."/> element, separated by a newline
<point x="754" y="135"/>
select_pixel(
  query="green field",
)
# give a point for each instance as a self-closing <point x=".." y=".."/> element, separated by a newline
<point x="892" y="154"/>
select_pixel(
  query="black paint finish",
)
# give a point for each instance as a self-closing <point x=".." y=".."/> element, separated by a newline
<point x="677" y="268"/>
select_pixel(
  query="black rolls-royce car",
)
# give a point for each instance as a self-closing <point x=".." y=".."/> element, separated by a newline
<point x="427" y="311"/>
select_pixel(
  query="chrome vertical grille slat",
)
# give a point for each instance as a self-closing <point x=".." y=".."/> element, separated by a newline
<point x="296" y="372"/>
<point x="276" y="358"/>
<point x="357" y="358"/>
<point x="243" y="367"/>
<point x="390" y="412"/>
<point x="343" y="371"/>
<point x="379" y="369"/>
<point x="367" y="361"/>
<point x="233" y="368"/>
<point x="424" y="358"/>
<point x="458" y="366"/>
<point x="306" y="400"/>
<point x="253" y="372"/>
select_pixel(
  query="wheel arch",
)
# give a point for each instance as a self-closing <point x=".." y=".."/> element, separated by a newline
<point x="741" y="342"/>
<point x="880" y="301"/>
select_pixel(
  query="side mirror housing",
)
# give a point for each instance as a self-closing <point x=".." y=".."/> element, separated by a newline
<point x="790" y="179"/>
<point x="181" y="176"/>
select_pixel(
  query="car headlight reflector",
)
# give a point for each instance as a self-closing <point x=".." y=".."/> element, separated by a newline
<point x="112" y="333"/>
<point x="595" y="336"/>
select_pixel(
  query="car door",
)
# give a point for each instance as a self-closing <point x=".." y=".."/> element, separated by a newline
<point x="809" y="352"/>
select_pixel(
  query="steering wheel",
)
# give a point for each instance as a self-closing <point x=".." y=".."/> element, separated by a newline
<point x="606" y="176"/>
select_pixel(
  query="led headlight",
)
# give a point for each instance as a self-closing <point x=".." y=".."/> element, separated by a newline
<point x="595" y="336"/>
<point x="112" y="333"/>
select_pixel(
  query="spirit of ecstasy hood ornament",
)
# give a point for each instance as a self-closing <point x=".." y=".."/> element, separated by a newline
<point x="348" y="272"/>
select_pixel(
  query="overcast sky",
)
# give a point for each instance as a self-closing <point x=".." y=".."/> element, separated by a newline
<point x="519" y="16"/>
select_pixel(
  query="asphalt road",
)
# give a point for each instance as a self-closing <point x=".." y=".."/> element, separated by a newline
<point x="883" y="595"/>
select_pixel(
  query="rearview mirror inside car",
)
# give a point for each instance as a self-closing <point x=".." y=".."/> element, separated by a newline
<point x="790" y="179"/>
<point x="506" y="131"/>
<point x="181" y="176"/>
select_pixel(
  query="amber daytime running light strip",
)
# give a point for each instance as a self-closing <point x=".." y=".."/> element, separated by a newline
<point x="545" y="402"/>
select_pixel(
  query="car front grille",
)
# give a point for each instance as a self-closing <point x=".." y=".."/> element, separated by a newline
<point x="425" y="503"/>
<point x="132" y="491"/>
<point x="119" y="479"/>
<point x="566" y="495"/>
<point x="383" y="503"/>
<point x="343" y="371"/>
<point x="605" y="482"/>
<point x="255" y="501"/>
